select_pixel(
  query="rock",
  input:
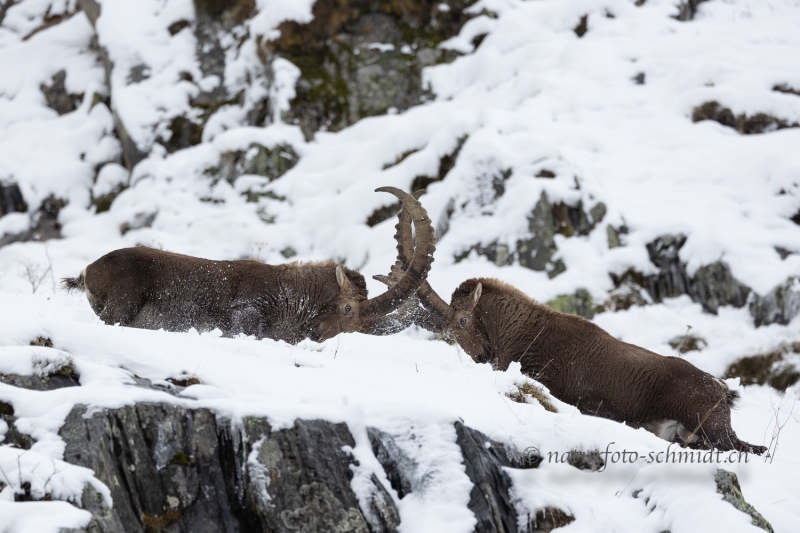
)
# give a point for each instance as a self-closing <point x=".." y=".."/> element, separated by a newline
<point x="728" y="486"/>
<point x="758" y="123"/>
<point x="176" y="469"/>
<point x="536" y="251"/>
<point x="779" y="306"/>
<point x="11" y="200"/>
<point x="220" y="30"/>
<point x="544" y="222"/>
<point x="258" y="160"/>
<point x="360" y="58"/>
<point x="585" y="460"/>
<point x="497" y="253"/>
<point x="218" y="27"/>
<point x="580" y="303"/>
<point x="131" y="153"/>
<point x="397" y="465"/>
<point x="109" y="183"/>
<point x="771" y="369"/>
<point x="582" y="27"/>
<point x="712" y="285"/>
<point x="628" y="292"/>
<point x="490" y="498"/>
<point x="484" y="461"/>
<point x="615" y="239"/>
<point x="687" y="9"/>
<point x="383" y="213"/>
<point x="44" y="223"/>
<point x="786" y="89"/>
<point x="64" y="377"/>
<point x="548" y="519"/>
<point x="141" y="220"/>
<point x="57" y="96"/>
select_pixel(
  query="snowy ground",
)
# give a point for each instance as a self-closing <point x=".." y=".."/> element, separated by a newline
<point x="532" y="96"/>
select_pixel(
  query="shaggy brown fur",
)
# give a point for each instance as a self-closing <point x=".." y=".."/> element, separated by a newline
<point x="578" y="361"/>
<point x="147" y="288"/>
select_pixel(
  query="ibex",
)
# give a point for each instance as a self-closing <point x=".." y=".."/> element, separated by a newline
<point x="148" y="288"/>
<point x="578" y="361"/>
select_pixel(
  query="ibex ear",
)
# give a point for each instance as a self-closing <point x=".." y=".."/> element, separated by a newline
<point x="476" y="295"/>
<point x="341" y="279"/>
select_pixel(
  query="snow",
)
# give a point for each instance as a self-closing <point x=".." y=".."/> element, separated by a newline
<point x="533" y="96"/>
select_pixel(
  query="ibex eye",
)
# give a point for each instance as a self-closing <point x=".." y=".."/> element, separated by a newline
<point x="463" y="321"/>
<point x="348" y="308"/>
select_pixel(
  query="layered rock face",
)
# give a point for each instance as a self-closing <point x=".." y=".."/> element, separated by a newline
<point x="175" y="469"/>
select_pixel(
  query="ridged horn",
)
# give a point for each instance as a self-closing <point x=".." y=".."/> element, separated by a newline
<point x="418" y="264"/>
<point x="430" y="300"/>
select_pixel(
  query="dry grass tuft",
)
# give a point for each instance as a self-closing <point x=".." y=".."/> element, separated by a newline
<point x="527" y="390"/>
<point x="185" y="380"/>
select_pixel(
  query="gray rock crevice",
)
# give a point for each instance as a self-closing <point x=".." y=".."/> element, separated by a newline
<point x="187" y="470"/>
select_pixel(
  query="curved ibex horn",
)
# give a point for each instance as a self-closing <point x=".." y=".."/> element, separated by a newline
<point x="430" y="300"/>
<point x="418" y="264"/>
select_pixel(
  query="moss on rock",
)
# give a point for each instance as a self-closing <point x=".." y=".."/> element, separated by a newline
<point x="344" y="77"/>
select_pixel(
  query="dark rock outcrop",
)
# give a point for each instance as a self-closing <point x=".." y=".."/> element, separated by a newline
<point x="176" y="469"/>
<point x="490" y="498"/>
<point x="746" y="125"/>
<point x="545" y="221"/>
<point x="258" y="160"/>
<point x="767" y="369"/>
<point x="11" y="200"/>
<point x="728" y="486"/>
<point x="687" y="9"/>
<point x="44" y="223"/>
<point x="57" y="96"/>
<point x="579" y="303"/>
<point x="779" y="306"/>
<point x="785" y="88"/>
<point x="537" y="250"/>
<point x="360" y="58"/>
<point x="712" y="285"/>
<point x="484" y="461"/>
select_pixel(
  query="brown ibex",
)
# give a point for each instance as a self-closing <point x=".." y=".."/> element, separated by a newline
<point x="578" y="361"/>
<point x="148" y="288"/>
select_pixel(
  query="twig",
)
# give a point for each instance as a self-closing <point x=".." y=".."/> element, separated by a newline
<point x="50" y="267"/>
<point x="776" y="429"/>
<point x="685" y="340"/>
<point x="34" y="273"/>
<point x="258" y="246"/>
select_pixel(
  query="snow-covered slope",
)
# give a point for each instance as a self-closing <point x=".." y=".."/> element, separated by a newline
<point x="606" y="117"/>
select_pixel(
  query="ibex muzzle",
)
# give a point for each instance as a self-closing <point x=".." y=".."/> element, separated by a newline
<point x="147" y="288"/>
<point x="579" y="362"/>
